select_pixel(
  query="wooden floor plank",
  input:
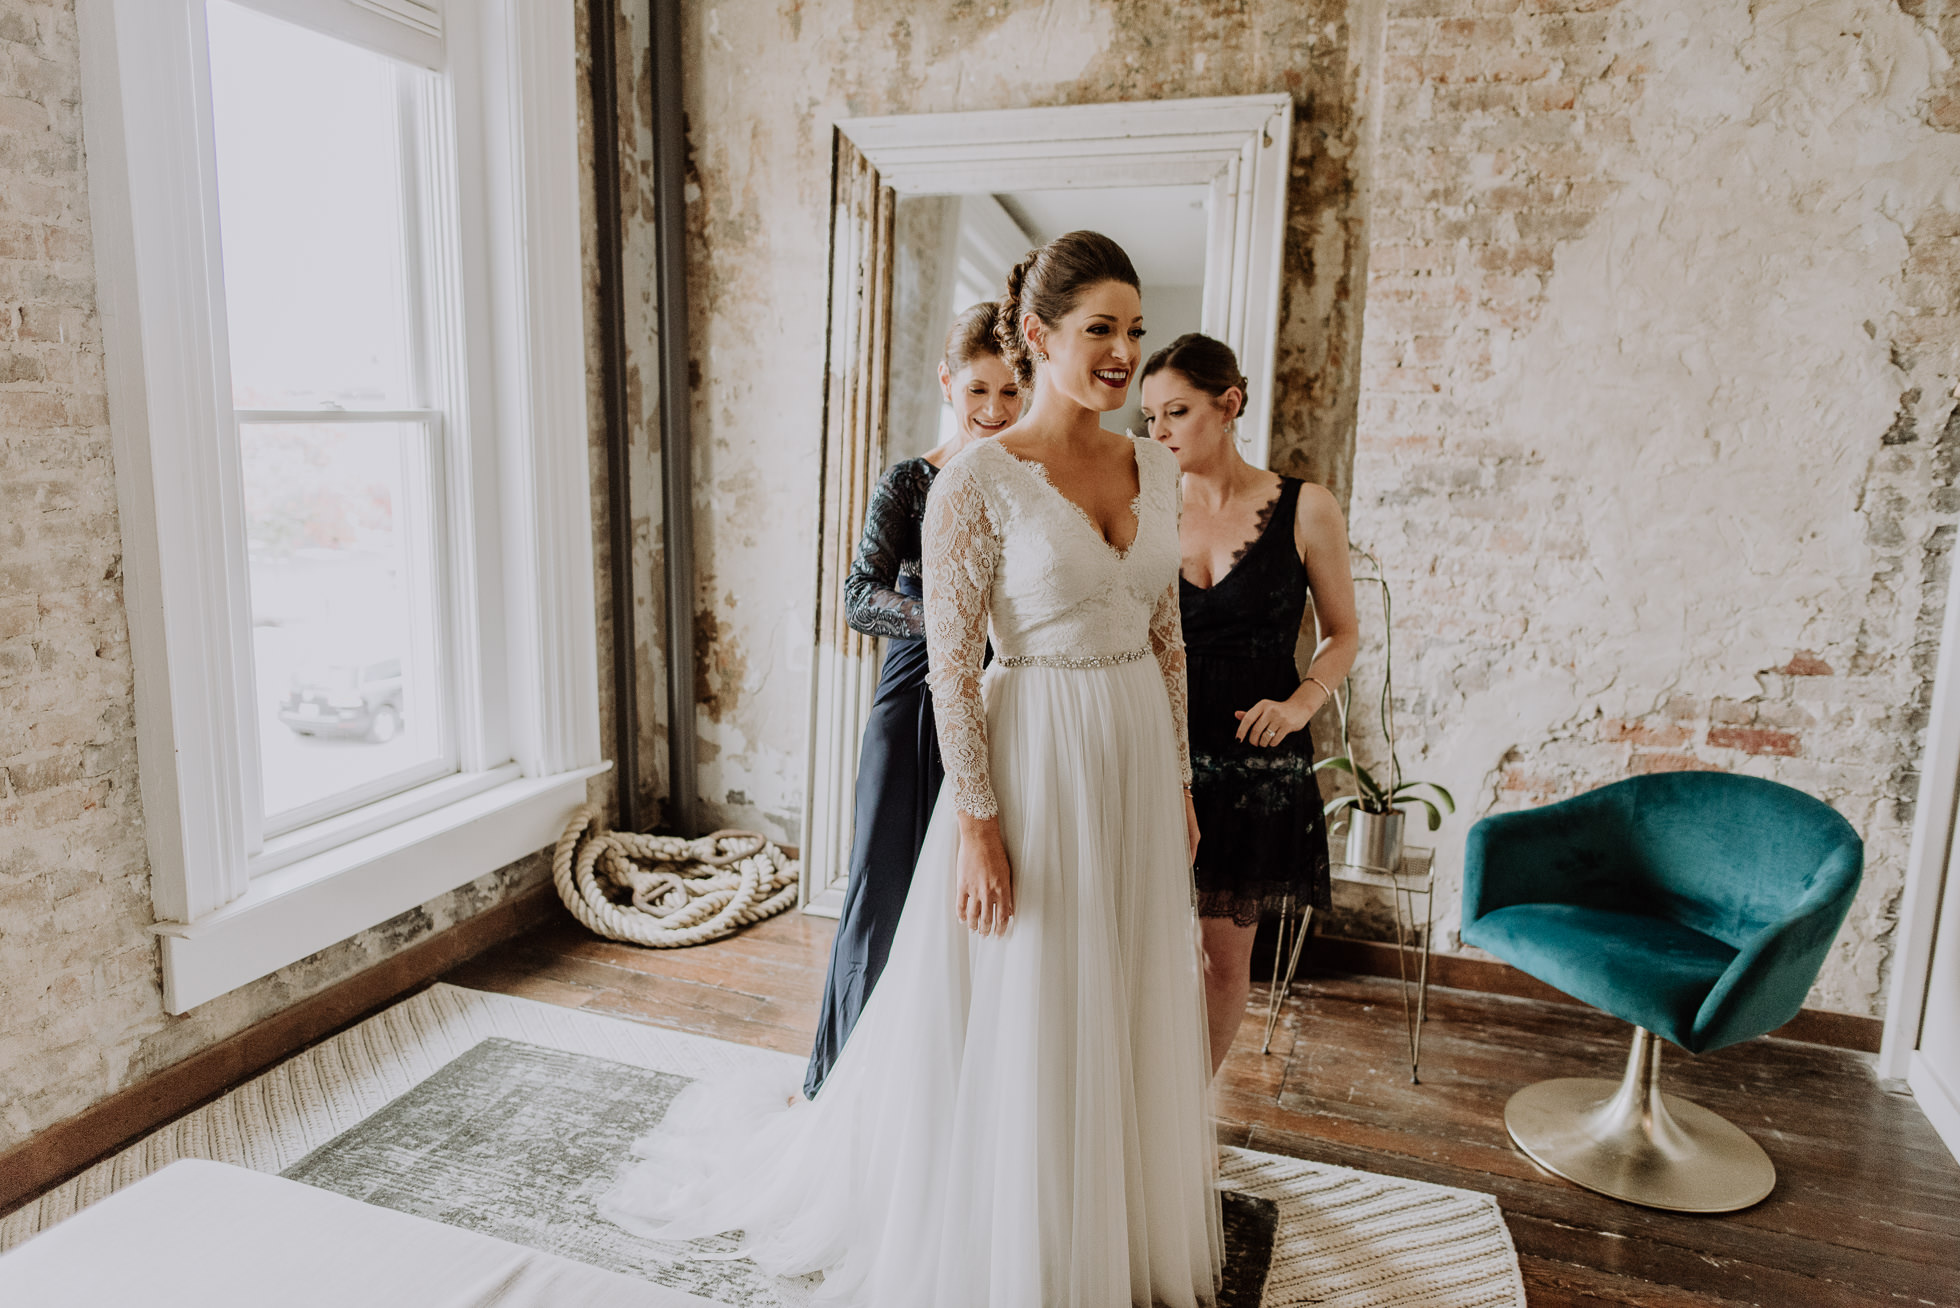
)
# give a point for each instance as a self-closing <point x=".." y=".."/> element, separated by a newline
<point x="1867" y="1206"/>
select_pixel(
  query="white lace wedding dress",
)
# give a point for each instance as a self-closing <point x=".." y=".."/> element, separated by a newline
<point x="1018" y="1121"/>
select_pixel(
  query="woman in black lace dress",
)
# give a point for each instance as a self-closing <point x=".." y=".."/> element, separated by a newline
<point x="1255" y="546"/>
<point x="898" y="766"/>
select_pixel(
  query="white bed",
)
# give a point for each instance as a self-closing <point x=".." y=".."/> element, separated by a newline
<point x="207" y="1235"/>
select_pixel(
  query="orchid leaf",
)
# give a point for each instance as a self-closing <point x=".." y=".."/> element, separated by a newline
<point x="1408" y="788"/>
<point x="1435" y="818"/>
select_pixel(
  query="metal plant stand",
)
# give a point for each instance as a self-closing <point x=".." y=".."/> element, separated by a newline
<point x="1414" y="877"/>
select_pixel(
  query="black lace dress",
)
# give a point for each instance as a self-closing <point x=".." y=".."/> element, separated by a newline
<point x="899" y="771"/>
<point x="1262" y="838"/>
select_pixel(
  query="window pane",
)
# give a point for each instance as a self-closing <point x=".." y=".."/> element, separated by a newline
<point x="311" y="206"/>
<point x="342" y="629"/>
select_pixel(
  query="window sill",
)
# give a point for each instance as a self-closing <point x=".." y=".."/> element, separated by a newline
<point x="317" y="901"/>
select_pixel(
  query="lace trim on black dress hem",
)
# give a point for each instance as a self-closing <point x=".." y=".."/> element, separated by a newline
<point x="1243" y="908"/>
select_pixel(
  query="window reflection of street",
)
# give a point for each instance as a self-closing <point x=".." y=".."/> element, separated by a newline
<point x="301" y="769"/>
<point x="332" y="635"/>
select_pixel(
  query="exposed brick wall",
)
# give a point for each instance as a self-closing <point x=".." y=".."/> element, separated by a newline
<point x="74" y="880"/>
<point x="1657" y="436"/>
<point x="760" y="153"/>
<point x="81" y="1004"/>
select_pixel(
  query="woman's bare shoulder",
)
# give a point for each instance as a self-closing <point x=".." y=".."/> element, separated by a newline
<point x="1318" y="520"/>
<point x="1318" y="505"/>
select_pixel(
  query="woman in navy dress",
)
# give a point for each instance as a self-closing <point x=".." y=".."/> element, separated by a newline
<point x="1256" y="545"/>
<point x="899" y="771"/>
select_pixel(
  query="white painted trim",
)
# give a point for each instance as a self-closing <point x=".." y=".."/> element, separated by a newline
<point x="160" y="291"/>
<point x="1926" y="858"/>
<point x="530" y="117"/>
<point x="328" y="833"/>
<point x="310" y="417"/>
<point x="363" y="24"/>
<point x="303" y="908"/>
<point x="1938" y="1100"/>
<point x="1240" y="145"/>
<point x="414" y="13"/>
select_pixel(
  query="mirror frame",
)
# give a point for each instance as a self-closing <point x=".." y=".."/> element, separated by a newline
<point x="1238" y="146"/>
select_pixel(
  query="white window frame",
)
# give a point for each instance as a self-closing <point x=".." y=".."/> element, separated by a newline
<point x="522" y="618"/>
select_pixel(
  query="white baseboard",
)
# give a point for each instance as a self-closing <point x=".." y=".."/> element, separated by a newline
<point x="1937" y="1100"/>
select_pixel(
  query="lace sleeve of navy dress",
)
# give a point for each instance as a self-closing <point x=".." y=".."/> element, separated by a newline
<point x="962" y="548"/>
<point x="889" y="549"/>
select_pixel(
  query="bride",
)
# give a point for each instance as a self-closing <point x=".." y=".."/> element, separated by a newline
<point x="1020" y="1118"/>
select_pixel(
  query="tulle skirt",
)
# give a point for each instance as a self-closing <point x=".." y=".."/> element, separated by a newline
<point x="1019" y="1121"/>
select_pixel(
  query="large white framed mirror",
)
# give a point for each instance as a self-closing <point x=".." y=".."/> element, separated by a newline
<point x="929" y="211"/>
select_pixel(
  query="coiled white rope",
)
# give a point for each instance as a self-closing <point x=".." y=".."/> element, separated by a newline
<point x="689" y="892"/>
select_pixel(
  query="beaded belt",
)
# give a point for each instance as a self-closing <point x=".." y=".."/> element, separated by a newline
<point x="1070" y="660"/>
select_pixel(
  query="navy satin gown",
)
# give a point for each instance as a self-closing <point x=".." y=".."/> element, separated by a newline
<point x="899" y="771"/>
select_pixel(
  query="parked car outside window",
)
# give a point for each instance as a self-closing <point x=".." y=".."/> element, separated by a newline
<point x="360" y="700"/>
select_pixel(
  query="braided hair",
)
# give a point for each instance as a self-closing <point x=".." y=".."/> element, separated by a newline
<point x="1049" y="283"/>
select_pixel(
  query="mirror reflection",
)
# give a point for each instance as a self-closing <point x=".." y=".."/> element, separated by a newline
<point x="953" y="251"/>
<point x="949" y="386"/>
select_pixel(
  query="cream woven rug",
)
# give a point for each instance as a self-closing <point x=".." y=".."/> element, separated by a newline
<point x="1343" y="1238"/>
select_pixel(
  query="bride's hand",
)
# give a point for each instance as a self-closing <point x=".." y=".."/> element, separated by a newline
<point x="1190" y="829"/>
<point x="984" y="894"/>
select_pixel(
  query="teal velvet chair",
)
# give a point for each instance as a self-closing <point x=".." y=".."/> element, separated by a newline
<point x="1696" y="905"/>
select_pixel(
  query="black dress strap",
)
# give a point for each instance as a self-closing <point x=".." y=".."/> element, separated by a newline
<point x="1256" y="608"/>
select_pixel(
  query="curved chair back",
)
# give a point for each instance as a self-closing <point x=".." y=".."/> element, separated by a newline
<point x="1763" y="868"/>
<point x="1731" y="855"/>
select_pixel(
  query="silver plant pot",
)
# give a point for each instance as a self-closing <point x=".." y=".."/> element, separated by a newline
<point x="1374" y="840"/>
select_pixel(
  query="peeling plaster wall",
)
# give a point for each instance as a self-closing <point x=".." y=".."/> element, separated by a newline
<point x="81" y="1002"/>
<point x="635" y="200"/>
<point x="1658" y="438"/>
<point x="765" y="84"/>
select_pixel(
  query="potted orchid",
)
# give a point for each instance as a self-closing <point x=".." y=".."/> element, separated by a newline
<point x="1375" y="811"/>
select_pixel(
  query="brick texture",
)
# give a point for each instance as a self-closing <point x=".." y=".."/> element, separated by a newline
<point x="1658" y="451"/>
<point x="81" y="1004"/>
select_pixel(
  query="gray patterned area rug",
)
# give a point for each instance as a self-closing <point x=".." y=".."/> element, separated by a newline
<point x="511" y="1118"/>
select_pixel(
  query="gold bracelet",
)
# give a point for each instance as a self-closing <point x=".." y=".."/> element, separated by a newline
<point x="1323" y="690"/>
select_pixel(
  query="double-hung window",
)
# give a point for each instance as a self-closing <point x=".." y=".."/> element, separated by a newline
<point x="337" y="258"/>
<point x="337" y="241"/>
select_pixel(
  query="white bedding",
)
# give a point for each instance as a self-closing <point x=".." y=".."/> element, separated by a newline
<point x="207" y="1235"/>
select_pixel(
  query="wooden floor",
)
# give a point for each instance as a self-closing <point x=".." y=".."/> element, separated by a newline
<point x="1866" y="1209"/>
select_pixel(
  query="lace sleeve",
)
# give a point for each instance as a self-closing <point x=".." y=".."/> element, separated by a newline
<point x="1167" y="643"/>
<point x="961" y="549"/>
<point x="872" y="605"/>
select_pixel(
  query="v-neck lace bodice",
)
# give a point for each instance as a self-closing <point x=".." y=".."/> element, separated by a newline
<point x="1005" y="550"/>
<point x="1040" y="471"/>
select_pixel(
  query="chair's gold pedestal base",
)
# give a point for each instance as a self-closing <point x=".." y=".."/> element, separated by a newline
<point x="1630" y="1141"/>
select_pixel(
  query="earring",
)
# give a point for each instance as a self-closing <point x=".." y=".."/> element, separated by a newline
<point x="1041" y="356"/>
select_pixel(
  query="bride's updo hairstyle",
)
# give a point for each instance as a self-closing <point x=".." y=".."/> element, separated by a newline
<point x="1048" y="283"/>
<point x="1204" y="361"/>
<point x="973" y="335"/>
